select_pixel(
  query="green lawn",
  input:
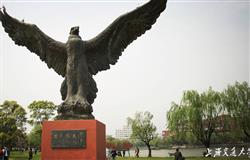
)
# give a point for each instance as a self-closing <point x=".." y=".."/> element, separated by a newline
<point x="24" y="156"/>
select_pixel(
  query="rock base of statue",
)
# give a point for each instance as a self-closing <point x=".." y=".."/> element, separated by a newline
<point x="73" y="140"/>
<point x="69" y="111"/>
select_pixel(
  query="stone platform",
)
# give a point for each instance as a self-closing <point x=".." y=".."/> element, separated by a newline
<point x="73" y="140"/>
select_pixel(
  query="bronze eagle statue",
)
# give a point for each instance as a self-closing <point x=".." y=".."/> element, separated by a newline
<point x="78" y="60"/>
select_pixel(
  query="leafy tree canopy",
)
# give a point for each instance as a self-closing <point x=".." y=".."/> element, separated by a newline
<point x="16" y="111"/>
<point x="236" y="100"/>
<point x="41" y="110"/>
<point x="34" y="137"/>
<point x="143" y="129"/>
<point x="12" y="124"/>
<point x="197" y="114"/>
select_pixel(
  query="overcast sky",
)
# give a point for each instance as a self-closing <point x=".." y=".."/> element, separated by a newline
<point x="193" y="45"/>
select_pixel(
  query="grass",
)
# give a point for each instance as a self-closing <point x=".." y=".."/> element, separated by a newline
<point x="24" y="156"/>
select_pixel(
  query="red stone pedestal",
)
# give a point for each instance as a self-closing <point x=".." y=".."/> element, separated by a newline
<point x="95" y="140"/>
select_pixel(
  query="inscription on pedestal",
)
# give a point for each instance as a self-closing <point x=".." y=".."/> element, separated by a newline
<point x="68" y="139"/>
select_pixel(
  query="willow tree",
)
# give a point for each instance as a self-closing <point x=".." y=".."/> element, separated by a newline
<point x="143" y="129"/>
<point x="177" y="121"/>
<point x="197" y="113"/>
<point x="236" y="100"/>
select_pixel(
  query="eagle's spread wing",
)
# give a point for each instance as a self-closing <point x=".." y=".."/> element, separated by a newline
<point x="106" y="48"/>
<point x="29" y="35"/>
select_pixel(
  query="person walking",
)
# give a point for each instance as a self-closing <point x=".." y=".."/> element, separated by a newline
<point x="1" y="153"/>
<point x="137" y="151"/>
<point x="6" y="153"/>
<point x="123" y="153"/>
<point x="113" y="154"/>
<point x="30" y="154"/>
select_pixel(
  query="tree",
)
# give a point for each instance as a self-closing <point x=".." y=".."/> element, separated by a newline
<point x="13" y="109"/>
<point x="118" y="144"/>
<point x="40" y="111"/>
<point x="197" y="113"/>
<point x="126" y="145"/>
<point x="34" y="137"/>
<point x="143" y="129"/>
<point x="236" y="101"/>
<point x="177" y="123"/>
<point x="20" y="138"/>
<point x="7" y="128"/>
<point x="159" y="142"/>
<point x="110" y="142"/>
<point x="12" y="124"/>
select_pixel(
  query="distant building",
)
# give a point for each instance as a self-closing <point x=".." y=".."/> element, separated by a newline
<point x="123" y="133"/>
<point x="166" y="133"/>
<point x="224" y="123"/>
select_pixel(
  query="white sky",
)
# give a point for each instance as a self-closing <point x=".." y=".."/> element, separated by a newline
<point x="194" y="45"/>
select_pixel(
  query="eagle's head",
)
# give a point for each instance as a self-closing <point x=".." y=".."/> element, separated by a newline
<point x="74" y="31"/>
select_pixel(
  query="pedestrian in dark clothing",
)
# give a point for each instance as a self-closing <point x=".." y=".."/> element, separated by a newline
<point x="113" y="154"/>
<point x="30" y="154"/>
<point x="6" y="153"/>
<point x="177" y="155"/>
<point x="137" y="152"/>
<point x="1" y="153"/>
<point x="123" y="153"/>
